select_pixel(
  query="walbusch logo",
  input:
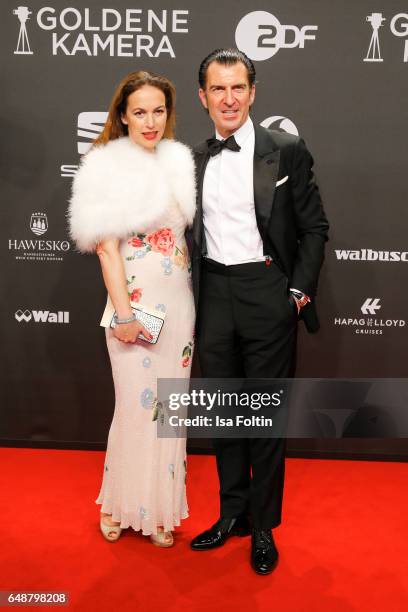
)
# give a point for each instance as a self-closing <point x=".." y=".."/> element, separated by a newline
<point x="41" y="316"/>
<point x="371" y="255"/>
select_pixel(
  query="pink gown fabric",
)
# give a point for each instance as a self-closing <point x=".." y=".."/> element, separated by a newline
<point x="144" y="477"/>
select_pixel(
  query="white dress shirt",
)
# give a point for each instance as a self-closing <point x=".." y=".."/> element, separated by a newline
<point x="230" y="227"/>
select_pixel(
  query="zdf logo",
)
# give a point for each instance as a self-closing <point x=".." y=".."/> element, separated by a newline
<point x="260" y="35"/>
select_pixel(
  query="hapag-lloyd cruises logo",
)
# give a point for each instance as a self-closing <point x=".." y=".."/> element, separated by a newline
<point x="38" y="249"/>
<point x="129" y="32"/>
<point x="368" y="322"/>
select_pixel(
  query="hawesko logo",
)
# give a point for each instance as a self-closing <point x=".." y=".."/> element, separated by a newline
<point x="398" y="27"/>
<point x="371" y="255"/>
<point x="370" y="306"/>
<point x="116" y="32"/>
<point x="38" y="223"/>
<point x="90" y="125"/>
<point x="42" y="316"/>
<point x="282" y="124"/>
<point x="260" y="35"/>
<point x="38" y="249"/>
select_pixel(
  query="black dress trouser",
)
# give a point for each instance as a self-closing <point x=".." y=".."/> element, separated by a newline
<point x="247" y="328"/>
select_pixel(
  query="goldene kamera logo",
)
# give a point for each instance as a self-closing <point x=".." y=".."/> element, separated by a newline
<point x="374" y="54"/>
<point x="398" y="27"/>
<point x="23" y="45"/>
<point x="117" y="32"/>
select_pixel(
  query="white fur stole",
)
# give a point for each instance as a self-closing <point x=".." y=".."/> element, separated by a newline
<point x="121" y="189"/>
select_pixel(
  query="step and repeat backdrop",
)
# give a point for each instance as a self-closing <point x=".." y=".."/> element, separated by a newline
<point x="335" y="73"/>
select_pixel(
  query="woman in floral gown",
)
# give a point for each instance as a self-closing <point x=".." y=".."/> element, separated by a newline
<point x="132" y="198"/>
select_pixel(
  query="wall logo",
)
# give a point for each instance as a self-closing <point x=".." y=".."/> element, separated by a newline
<point x="41" y="316"/>
<point x="260" y="35"/>
<point x="90" y="125"/>
<point x="115" y="32"/>
<point x="282" y="124"/>
<point x="23" y="316"/>
<point x="370" y="306"/>
<point x="371" y="255"/>
<point x="368" y="324"/>
<point x="38" y="250"/>
<point x="38" y="223"/>
<point x="398" y="27"/>
<point x="23" y="46"/>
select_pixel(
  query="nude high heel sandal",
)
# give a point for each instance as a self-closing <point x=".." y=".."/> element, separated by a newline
<point x="110" y="532"/>
<point x="164" y="539"/>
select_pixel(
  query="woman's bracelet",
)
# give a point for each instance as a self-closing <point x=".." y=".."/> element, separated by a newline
<point x="124" y="321"/>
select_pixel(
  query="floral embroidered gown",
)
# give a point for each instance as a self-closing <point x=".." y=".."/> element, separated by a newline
<point x="144" y="476"/>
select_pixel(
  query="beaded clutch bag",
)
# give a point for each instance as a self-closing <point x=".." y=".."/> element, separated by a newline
<point x="150" y="318"/>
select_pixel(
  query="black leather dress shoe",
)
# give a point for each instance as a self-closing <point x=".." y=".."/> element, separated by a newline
<point x="264" y="553"/>
<point x="219" y="533"/>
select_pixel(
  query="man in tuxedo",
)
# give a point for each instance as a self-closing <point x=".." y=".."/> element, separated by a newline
<point x="258" y="246"/>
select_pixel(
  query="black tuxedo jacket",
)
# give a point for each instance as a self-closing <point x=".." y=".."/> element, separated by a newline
<point x="289" y="213"/>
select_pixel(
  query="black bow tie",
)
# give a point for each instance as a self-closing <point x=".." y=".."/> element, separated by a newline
<point x="216" y="146"/>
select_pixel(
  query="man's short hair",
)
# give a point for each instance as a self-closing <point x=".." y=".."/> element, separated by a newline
<point x="227" y="57"/>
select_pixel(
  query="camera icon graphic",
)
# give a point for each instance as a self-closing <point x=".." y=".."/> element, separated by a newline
<point x="374" y="54"/>
<point x="23" y="46"/>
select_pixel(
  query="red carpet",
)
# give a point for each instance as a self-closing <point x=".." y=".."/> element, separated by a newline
<point x="343" y="542"/>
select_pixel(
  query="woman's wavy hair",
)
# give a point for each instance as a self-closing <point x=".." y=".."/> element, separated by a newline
<point x="114" y="128"/>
